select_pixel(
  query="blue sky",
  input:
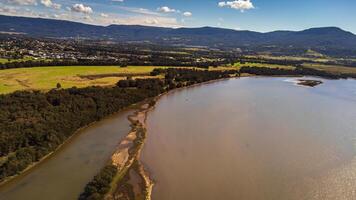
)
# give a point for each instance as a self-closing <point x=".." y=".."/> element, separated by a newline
<point x="256" y="15"/>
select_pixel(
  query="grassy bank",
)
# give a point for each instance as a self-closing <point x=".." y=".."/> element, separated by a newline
<point x="45" y="78"/>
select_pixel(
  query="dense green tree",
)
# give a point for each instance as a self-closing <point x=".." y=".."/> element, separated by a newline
<point x="34" y="123"/>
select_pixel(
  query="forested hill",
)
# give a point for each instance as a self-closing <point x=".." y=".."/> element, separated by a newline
<point x="327" y="37"/>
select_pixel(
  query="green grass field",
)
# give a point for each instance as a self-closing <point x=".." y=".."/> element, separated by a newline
<point x="3" y="60"/>
<point x="45" y="78"/>
<point x="238" y="65"/>
<point x="27" y="58"/>
<point x="337" y="69"/>
<point x="294" y="58"/>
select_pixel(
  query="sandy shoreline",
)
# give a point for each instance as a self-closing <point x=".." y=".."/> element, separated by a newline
<point x="127" y="153"/>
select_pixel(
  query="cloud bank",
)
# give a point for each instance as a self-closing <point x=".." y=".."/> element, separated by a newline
<point x="166" y="9"/>
<point x="82" y="8"/>
<point x="241" y="5"/>
<point x="50" y="4"/>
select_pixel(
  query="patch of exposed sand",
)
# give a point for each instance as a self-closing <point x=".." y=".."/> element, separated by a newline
<point x="121" y="155"/>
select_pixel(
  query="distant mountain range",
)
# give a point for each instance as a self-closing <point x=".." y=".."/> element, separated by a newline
<point x="327" y="37"/>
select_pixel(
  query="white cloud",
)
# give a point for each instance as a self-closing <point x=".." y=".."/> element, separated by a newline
<point x="50" y="4"/>
<point x="117" y="0"/>
<point x="187" y="14"/>
<point x="166" y="9"/>
<point x="142" y="16"/>
<point x="142" y="11"/>
<point x="24" y="12"/>
<point x="22" y="2"/>
<point x="104" y="15"/>
<point x="82" y="8"/>
<point x="144" y="20"/>
<point x="8" y="10"/>
<point x="241" y="5"/>
<point x="151" y="21"/>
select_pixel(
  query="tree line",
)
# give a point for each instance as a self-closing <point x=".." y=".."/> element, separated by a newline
<point x="161" y="61"/>
<point x="100" y="185"/>
<point x="177" y="77"/>
<point x="298" y="71"/>
<point x="296" y="63"/>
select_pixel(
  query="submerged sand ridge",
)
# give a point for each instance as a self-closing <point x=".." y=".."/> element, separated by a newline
<point x="131" y="180"/>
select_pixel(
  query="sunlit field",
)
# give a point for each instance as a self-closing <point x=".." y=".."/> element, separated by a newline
<point x="45" y="78"/>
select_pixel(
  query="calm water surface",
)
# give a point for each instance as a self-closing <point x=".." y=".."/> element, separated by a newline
<point x="254" y="139"/>
<point x="64" y="176"/>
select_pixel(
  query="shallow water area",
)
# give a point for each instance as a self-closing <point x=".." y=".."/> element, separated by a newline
<point x="256" y="138"/>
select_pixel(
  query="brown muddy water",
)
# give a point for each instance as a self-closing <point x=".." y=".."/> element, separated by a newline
<point x="64" y="175"/>
<point x="254" y="139"/>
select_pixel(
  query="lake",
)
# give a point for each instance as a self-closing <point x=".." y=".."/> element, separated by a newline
<point x="254" y="138"/>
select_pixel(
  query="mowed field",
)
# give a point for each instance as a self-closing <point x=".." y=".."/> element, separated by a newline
<point x="45" y="78"/>
<point x="337" y="69"/>
<point x="248" y="64"/>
